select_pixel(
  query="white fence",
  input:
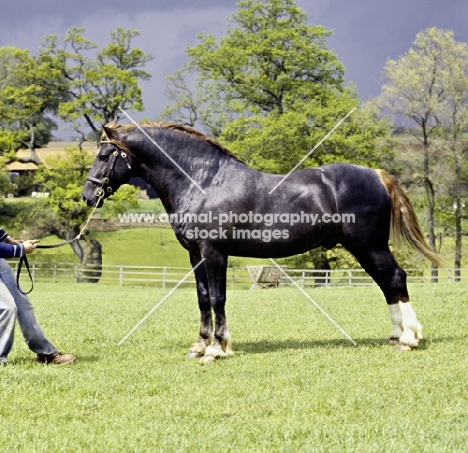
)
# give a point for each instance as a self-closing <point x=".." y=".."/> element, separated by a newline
<point x="237" y="278"/>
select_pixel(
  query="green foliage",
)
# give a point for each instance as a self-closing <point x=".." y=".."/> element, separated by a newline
<point x="271" y="90"/>
<point x="63" y="178"/>
<point x="63" y="212"/>
<point x="61" y="171"/>
<point x="421" y="83"/>
<point x="67" y="79"/>
<point x="276" y="143"/>
<point x="429" y="87"/>
<point x="5" y="184"/>
<point x="29" y="90"/>
<point x="99" y="84"/>
<point x="270" y="59"/>
<point x="121" y="201"/>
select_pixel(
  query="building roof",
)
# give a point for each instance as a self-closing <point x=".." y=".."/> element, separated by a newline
<point x="53" y="149"/>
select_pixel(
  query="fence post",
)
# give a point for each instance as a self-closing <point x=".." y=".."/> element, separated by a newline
<point x="55" y="273"/>
<point x="121" y="275"/>
<point x="350" y="280"/>
<point x="164" y="277"/>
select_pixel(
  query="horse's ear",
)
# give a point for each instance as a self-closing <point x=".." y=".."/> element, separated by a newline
<point x="109" y="132"/>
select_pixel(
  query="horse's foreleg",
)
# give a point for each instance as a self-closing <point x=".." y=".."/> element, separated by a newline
<point x="205" y="338"/>
<point x="215" y="267"/>
<point x="198" y="349"/>
<point x="222" y="342"/>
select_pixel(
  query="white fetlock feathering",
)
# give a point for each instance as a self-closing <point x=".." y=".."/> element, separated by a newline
<point x="412" y="330"/>
<point x="396" y="318"/>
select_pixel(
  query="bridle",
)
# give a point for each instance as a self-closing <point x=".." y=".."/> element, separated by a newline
<point x="105" y="180"/>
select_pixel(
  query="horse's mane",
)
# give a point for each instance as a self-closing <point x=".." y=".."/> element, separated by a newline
<point x="180" y="128"/>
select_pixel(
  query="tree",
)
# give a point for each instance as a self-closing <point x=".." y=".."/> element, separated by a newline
<point x="5" y="185"/>
<point x="426" y="87"/>
<point x="30" y="89"/>
<point x="83" y="86"/>
<point x="97" y="85"/>
<point x="271" y="90"/>
<point x="454" y="121"/>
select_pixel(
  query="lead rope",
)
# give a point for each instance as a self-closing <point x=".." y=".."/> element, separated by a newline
<point x="24" y="259"/>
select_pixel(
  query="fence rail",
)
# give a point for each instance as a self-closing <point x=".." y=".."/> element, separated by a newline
<point x="237" y="277"/>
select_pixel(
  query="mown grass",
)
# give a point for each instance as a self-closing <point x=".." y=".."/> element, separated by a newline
<point x="294" y="385"/>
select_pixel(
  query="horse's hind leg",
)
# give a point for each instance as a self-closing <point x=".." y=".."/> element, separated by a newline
<point x="205" y="338"/>
<point x="391" y="278"/>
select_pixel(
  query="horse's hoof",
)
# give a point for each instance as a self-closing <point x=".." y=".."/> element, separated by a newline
<point x="194" y="355"/>
<point x="404" y="347"/>
<point x="413" y="344"/>
<point x="409" y="340"/>
<point x="393" y="341"/>
<point x="207" y="359"/>
<point x="215" y="351"/>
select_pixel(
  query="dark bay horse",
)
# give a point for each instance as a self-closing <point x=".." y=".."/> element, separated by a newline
<point x="218" y="206"/>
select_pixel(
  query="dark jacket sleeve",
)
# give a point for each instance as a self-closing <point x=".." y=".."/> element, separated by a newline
<point x="3" y="234"/>
<point x="11" y="251"/>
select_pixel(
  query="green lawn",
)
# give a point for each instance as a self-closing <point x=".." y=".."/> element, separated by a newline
<point x="294" y="385"/>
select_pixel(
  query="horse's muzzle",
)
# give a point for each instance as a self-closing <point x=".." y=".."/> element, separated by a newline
<point x="94" y="200"/>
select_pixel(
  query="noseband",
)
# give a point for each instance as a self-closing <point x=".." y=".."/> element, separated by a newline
<point x="104" y="182"/>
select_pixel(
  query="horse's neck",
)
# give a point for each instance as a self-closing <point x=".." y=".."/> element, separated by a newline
<point x="191" y="165"/>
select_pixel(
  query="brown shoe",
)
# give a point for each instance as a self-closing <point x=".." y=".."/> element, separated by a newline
<point x="58" y="358"/>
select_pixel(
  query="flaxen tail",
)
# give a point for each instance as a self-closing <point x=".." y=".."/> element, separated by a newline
<point x="404" y="222"/>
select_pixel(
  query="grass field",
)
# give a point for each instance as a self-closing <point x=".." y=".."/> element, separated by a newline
<point x="295" y="384"/>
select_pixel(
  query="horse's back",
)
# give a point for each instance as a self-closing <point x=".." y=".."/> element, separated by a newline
<point x="356" y="186"/>
<point x="353" y="188"/>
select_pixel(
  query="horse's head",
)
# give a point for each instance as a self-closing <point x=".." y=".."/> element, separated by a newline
<point x="111" y="168"/>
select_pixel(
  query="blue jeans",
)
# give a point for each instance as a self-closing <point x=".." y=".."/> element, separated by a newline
<point x="14" y="305"/>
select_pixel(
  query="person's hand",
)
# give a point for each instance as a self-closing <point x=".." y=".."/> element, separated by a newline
<point x="30" y="246"/>
<point x="12" y="241"/>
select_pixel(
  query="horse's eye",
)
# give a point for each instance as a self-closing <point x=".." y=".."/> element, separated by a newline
<point x="103" y="157"/>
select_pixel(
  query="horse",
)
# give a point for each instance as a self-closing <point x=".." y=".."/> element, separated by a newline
<point x="219" y="207"/>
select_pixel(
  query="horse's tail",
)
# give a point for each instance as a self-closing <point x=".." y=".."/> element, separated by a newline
<point x="404" y="222"/>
